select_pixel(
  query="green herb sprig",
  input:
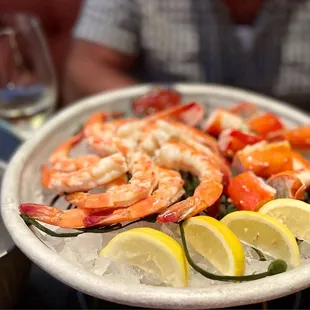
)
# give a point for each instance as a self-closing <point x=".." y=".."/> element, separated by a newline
<point x="99" y="230"/>
<point x="190" y="184"/>
<point x="275" y="267"/>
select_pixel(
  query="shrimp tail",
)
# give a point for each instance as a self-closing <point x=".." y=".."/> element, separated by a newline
<point x="171" y="112"/>
<point x="65" y="148"/>
<point x="73" y="218"/>
<point x="35" y="209"/>
<point x="41" y="212"/>
<point x="206" y="195"/>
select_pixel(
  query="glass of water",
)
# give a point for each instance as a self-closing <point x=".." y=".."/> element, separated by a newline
<point x="27" y="79"/>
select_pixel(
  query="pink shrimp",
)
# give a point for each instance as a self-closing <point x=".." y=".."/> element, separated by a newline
<point x="100" y="173"/>
<point x="175" y="155"/>
<point x="143" y="181"/>
<point x="61" y="161"/>
<point x="129" y="129"/>
<point x="170" y="189"/>
<point x="121" y="135"/>
<point x="167" y="132"/>
<point x="73" y="218"/>
<point x="101" y="135"/>
<point x="193" y="133"/>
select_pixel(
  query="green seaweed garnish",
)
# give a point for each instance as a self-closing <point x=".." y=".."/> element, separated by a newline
<point x="54" y="200"/>
<point x="190" y="184"/>
<point x="260" y="255"/>
<point x="226" y="207"/>
<point x="275" y="267"/>
<point x="103" y="229"/>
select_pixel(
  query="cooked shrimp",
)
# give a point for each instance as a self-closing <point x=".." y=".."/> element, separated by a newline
<point x="163" y="130"/>
<point x="148" y="141"/>
<point x="217" y="161"/>
<point x="102" y="172"/>
<point x="183" y="157"/>
<point x="128" y="129"/>
<point x="73" y="218"/>
<point x="170" y="189"/>
<point x="192" y="132"/>
<point x="123" y="179"/>
<point x="101" y="135"/>
<point x="171" y="113"/>
<point x="143" y="181"/>
<point x="141" y="130"/>
<point x="61" y="161"/>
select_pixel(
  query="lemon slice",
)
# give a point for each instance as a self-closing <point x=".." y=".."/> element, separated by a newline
<point x="295" y="214"/>
<point x="217" y="243"/>
<point x="265" y="234"/>
<point x="152" y="251"/>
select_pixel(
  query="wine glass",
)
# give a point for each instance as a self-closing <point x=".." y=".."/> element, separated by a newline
<point x="27" y="79"/>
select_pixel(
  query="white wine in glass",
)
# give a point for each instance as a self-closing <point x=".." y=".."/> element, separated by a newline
<point x="28" y="85"/>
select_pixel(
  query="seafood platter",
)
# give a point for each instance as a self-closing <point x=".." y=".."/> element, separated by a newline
<point x="187" y="196"/>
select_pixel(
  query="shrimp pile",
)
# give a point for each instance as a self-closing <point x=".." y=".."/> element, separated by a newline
<point x="243" y="153"/>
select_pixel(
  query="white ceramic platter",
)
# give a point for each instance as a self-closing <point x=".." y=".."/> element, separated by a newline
<point x="6" y="242"/>
<point x="22" y="184"/>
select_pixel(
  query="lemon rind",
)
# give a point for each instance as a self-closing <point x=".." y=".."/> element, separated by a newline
<point x="167" y="244"/>
<point x="229" y="240"/>
<point x="285" y="233"/>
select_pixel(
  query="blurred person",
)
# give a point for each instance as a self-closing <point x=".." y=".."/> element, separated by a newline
<point x="261" y="45"/>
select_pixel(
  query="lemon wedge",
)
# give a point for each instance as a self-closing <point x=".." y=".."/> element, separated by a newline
<point x="295" y="214"/>
<point x="152" y="251"/>
<point x="217" y="243"/>
<point x="265" y="234"/>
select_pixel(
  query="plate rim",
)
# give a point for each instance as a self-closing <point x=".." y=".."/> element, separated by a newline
<point x="154" y="297"/>
<point x="9" y="246"/>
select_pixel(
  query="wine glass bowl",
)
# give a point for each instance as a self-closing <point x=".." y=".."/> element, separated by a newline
<point x="27" y="78"/>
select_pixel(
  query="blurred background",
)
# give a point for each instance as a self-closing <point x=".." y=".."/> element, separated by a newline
<point x="35" y="37"/>
<point x="59" y="51"/>
<point x="55" y="52"/>
<point x="57" y="19"/>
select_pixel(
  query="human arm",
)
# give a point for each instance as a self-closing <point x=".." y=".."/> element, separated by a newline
<point x="106" y="69"/>
<point x="104" y="49"/>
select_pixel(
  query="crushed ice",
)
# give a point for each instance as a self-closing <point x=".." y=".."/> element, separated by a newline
<point x="83" y="251"/>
